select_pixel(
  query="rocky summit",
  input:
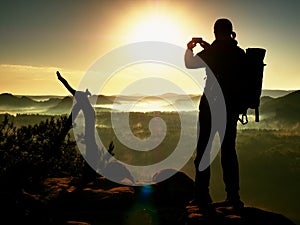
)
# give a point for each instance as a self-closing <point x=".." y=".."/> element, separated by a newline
<point x="62" y="201"/>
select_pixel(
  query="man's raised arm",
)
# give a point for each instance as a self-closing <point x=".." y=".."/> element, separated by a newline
<point x="194" y="61"/>
<point x="65" y="83"/>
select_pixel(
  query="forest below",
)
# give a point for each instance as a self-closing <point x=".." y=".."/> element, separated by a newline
<point x="32" y="149"/>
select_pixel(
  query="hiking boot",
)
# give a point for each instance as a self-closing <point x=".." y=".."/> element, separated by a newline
<point x="204" y="204"/>
<point x="235" y="204"/>
<point x="233" y="199"/>
<point x="204" y="207"/>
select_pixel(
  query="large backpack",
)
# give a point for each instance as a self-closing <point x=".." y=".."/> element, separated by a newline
<point x="252" y="85"/>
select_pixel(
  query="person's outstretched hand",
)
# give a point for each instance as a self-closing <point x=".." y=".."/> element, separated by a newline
<point x="58" y="75"/>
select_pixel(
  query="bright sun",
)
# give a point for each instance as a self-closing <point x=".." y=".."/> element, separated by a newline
<point x="157" y="28"/>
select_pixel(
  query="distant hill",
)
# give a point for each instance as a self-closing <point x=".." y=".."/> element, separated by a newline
<point x="285" y="108"/>
<point x="9" y="100"/>
<point x="64" y="106"/>
<point x="275" y="93"/>
<point x="42" y="98"/>
<point x="102" y="99"/>
<point x="181" y="102"/>
<point x="265" y="99"/>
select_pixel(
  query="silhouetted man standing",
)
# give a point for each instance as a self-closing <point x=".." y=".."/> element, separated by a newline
<point x="226" y="62"/>
<point x="83" y="103"/>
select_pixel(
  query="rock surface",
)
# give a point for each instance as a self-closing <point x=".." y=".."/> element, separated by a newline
<point x="63" y="201"/>
<point x="228" y="216"/>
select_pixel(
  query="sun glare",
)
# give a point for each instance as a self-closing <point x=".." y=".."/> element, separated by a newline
<point x="157" y="28"/>
<point x="150" y="78"/>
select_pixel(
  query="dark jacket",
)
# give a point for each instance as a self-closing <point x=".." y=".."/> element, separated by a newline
<point x="227" y="62"/>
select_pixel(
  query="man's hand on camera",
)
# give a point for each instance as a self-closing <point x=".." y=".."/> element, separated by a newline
<point x="191" y="45"/>
<point x="204" y="44"/>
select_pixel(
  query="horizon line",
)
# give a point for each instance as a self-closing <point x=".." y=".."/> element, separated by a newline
<point x="135" y="94"/>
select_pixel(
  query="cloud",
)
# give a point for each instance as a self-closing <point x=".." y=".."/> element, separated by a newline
<point x="35" y="73"/>
<point x="26" y="68"/>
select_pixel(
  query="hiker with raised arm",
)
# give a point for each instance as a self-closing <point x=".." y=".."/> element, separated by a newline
<point x="224" y="60"/>
<point x="83" y="103"/>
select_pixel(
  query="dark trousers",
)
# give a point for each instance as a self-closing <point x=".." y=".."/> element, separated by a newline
<point x="229" y="159"/>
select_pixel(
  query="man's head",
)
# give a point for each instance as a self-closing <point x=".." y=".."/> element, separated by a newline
<point x="223" y="29"/>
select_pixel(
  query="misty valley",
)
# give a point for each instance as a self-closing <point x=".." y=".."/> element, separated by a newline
<point x="268" y="151"/>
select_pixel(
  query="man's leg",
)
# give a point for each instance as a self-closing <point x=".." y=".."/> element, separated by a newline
<point x="229" y="162"/>
<point x="202" y="178"/>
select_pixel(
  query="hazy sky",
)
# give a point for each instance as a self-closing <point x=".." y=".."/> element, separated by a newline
<point x="39" y="37"/>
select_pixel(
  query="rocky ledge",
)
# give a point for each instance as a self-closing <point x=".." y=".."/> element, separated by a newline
<point x="62" y="201"/>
